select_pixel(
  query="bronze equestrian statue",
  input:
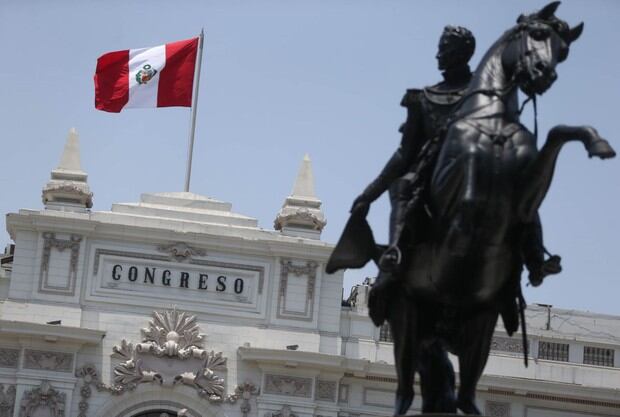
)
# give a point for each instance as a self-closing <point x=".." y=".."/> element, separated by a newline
<point x="468" y="183"/>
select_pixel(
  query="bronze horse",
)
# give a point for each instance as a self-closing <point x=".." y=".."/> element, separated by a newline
<point x="462" y="264"/>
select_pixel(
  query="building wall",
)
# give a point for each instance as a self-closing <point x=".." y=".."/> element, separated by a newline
<point x="291" y="348"/>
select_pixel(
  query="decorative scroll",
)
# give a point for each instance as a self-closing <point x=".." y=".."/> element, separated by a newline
<point x="181" y="251"/>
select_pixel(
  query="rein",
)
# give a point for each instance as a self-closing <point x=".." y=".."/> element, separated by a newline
<point x="498" y="92"/>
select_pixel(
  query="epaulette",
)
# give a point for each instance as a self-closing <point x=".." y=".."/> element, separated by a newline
<point x="412" y="96"/>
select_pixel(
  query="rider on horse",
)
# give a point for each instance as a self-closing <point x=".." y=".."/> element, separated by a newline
<point x="407" y="172"/>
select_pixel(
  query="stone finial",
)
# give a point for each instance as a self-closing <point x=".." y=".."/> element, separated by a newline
<point x="68" y="189"/>
<point x="301" y="213"/>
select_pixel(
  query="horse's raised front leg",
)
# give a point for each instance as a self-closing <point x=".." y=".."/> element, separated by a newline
<point x="539" y="173"/>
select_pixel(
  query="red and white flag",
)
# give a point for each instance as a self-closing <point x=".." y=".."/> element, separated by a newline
<point x="161" y="76"/>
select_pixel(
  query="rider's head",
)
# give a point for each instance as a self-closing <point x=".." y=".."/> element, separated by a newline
<point x="456" y="46"/>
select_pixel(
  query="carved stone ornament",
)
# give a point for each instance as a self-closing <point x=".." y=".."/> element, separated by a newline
<point x="284" y="412"/>
<point x="287" y="267"/>
<point x="43" y="396"/>
<point x="497" y="409"/>
<point x="507" y="344"/>
<point x="48" y="361"/>
<point x="51" y="241"/>
<point x="90" y="377"/>
<point x="7" y="400"/>
<point x="326" y="390"/>
<point x="288" y="385"/>
<point x="9" y="358"/>
<point x="67" y="191"/>
<point x="181" y="251"/>
<point x="245" y="392"/>
<point x="171" y="335"/>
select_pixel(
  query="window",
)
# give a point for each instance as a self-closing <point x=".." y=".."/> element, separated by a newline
<point x="385" y="334"/>
<point x="598" y="356"/>
<point x="553" y="351"/>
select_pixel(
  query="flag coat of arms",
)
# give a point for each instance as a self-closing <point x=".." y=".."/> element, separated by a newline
<point x="160" y="76"/>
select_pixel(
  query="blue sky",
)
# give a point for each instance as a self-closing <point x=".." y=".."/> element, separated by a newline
<point x="282" y="78"/>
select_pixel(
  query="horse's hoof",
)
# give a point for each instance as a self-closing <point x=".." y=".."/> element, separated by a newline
<point x="602" y="149"/>
<point x="469" y="407"/>
<point x="402" y="404"/>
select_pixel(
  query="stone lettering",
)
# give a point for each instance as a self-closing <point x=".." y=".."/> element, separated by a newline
<point x="238" y="286"/>
<point x="115" y="275"/>
<point x="184" y="280"/>
<point x="133" y="274"/>
<point x="143" y="276"/>
<point x="149" y="275"/>
<point x="221" y="283"/>
<point x="165" y="278"/>
<point x="202" y="283"/>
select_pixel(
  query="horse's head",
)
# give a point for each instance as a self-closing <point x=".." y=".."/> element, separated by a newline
<point x="537" y="44"/>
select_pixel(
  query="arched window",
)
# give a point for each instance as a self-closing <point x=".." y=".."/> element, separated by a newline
<point x="157" y="413"/>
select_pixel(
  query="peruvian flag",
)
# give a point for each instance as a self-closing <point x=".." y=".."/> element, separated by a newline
<point x="161" y="76"/>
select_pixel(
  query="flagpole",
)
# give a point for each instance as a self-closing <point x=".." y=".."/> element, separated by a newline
<point x="192" y="129"/>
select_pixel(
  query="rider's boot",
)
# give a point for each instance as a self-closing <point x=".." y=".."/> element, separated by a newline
<point x="400" y="194"/>
<point x="533" y="252"/>
<point x="378" y="298"/>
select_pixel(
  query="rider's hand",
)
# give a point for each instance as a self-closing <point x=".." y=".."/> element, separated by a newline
<point x="361" y="205"/>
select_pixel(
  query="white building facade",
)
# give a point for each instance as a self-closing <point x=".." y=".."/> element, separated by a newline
<point x="178" y="304"/>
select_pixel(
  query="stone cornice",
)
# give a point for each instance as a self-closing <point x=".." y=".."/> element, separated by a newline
<point x="235" y="239"/>
<point x="313" y="360"/>
<point x="51" y="333"/>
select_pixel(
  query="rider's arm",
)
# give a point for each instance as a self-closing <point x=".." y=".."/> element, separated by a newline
<point x="402" y="159"/>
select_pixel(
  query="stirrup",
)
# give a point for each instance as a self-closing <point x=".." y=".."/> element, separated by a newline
<point x="393" y="264"/>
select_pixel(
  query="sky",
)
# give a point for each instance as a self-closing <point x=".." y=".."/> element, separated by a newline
<point x="285" y="78"/>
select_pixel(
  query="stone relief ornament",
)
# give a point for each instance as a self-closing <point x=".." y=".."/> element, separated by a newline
<point x="9" y="358"/>
<point x="181" y="251"/>
<point x="7" y="400"/>
<point x="507" y="344"/>
<point x="284" y="412"/>
<point x="497" y="409"/>
<point x="48" y="361"/>
<point x="326" y="390"/>
<point x="170" y="335"/>
<point x="244" y="391"/>
<point x="43" y="396"/>
<point x="288" y="385"/>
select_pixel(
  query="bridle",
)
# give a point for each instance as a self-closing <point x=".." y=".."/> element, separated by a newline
<point x="526" y="56"/>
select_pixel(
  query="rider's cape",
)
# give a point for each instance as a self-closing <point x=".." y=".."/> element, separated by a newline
<point x="355" y="247"/>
